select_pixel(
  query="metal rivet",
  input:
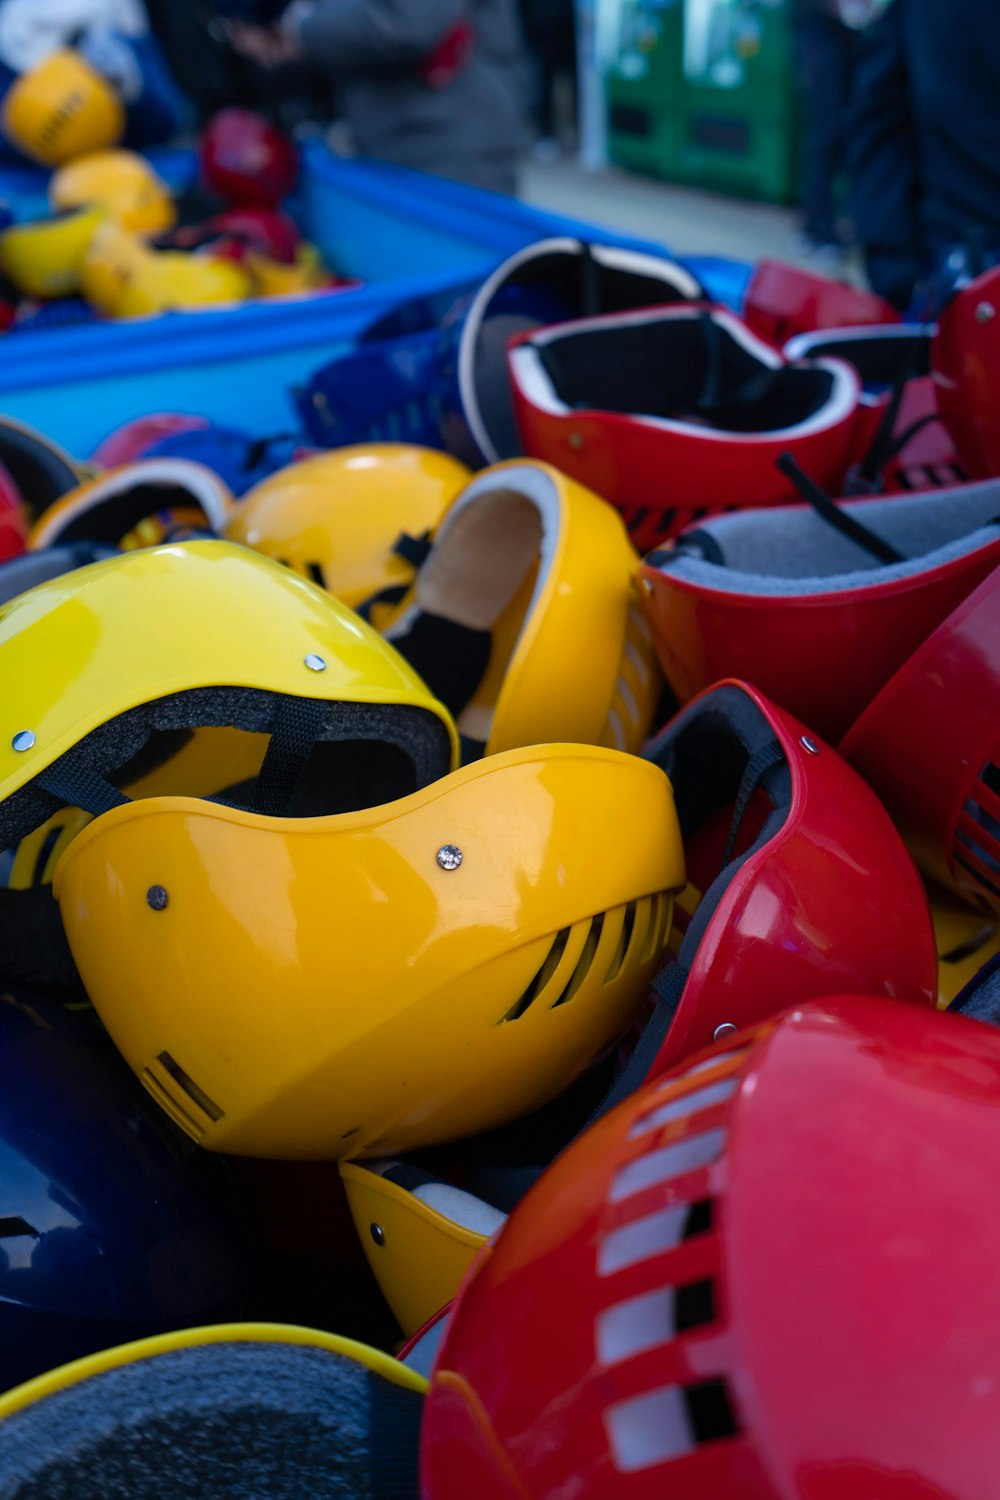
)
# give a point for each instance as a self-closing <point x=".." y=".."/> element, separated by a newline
<point x="575" y="441"/>
<point x="157" y="898"/>
<point x="810" y="745"/>
<point x="726" y="1029"/>
<point x="985" y="312"/>
<point x="23" y="739"/>
<point x="449" y="857"/>
<point x="315" y="663"/>
<point x="378" y="1233"/>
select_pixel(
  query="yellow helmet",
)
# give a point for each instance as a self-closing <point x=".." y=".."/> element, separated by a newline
<point x="124" y="278"/>
<point x="61" y="109"/>
<point x="45" y="258"/>
<point x="525" y="617"/>
<point x="122" y="183"/>
<point x="337" y="518"/>
<point x="966" y="940"/>
<point x="138" y="505"/>
<point x="272" y="278"/>
<point x="387" y="978"/>
<point x="420" y="1234"/>
<point x="270" y="1409"/>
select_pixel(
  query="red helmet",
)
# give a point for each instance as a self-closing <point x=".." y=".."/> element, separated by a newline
<point x="273" y="234"/>
<point x="966" y="363"/>
<point x="929" y="744"/>
<point x="783" y="300"/>
<point x="704" y="435"/>
<point x="770" y="1275"/>
<point x="133" y="440"/>
<point x="246" y="161"/>
<point x="809" y="615"/>
<point x="13" y="517"/>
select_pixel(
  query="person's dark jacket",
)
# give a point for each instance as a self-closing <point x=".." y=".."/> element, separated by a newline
<point x="925" y="156"/>
<point x="471" y="128"/>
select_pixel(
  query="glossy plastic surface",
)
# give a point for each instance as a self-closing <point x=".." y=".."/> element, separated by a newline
<point x="83" y="625"/>
<point x="247" y="161"/>
<point x="782" y="300"/>
<point x="122" y="184"/>
<point x="336" y="518"/>
<point x="966" y="367"/>
<point x="356" y="993"/>
<point x="112" y="1226"/>
<point x="750" y="1303"/>
<point x="45" y="258"/>
<point x="61" y="109"/>
<point x="929" y="744"/>
<point x="132" y="440"/>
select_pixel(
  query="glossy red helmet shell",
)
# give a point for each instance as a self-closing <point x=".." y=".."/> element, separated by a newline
<point x="782" y="600"/>
<point x="929" y="744"/>
<point x="134" y="439"/>
<point x="671" y="413"/>
<point x="13" y="517"/>
<point x="783" y="300"/>
<point x="273" y="234"/>
<point x="769" y="1276"/>
<point x="818" y="896"/>
<point x="246" y="161"/>
<point x="966" y="365"/>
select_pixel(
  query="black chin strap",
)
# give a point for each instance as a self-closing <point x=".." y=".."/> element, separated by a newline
<point x="297" y="727"/>
<point x="590" y="282"/>
<point x="866" y="478"/>
<point x="831" y="512"/>
<point x="77" y="786"/>
<point x="714" y="397"/>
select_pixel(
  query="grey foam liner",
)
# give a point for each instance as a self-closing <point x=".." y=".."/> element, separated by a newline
<point x="790" y="550"/>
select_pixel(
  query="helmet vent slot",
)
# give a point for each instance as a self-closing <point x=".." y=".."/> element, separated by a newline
<point x="666" y="1164"/>
<point x="541" y="979"/>
<point x="710" y="1411"/>
<point x="628" y="926"/>
<point x="976" y="847"/>
<point x="666" y="1424"/>
<point x="681" y="1106"/>
<point x="170" y="1106"/>
<point x="177" y="1093"/>
<point x="584" y="963"/>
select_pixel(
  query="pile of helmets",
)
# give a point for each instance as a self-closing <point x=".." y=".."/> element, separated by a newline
<point x="118" y="241"/>
<point x="487" y="1011"/>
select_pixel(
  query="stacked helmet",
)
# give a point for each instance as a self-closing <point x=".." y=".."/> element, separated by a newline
<point x="742" y="1300"/>
<point x="134" y="439"/>
<point x="965" y="366"/>
<point x="819" y="616"/>
<point x="356" y="520"/>
<point x="274" y="278"/>
<point x="45" y="258"/>
<point x="783" y="300"/>
<point x="112" y="1226"/>
<point x="929" y="745"/>
<point x="13" y="517"/>
<point x="702" y="434"/>
<point x="137" y="506"/>
<point x="527" y="592"/>
<point x="798" y="887"/>
<point x="124" y="278"/>
<point x="534" y="945"/>
<point x="60" y="109"/>
<point x="41" y="470"/>
<point x="272" y="233"/>
<point x="246" y="161"/>
<point x="122" y="184"/>
<point x="259" y="1407"/>
<point x="239" y="460"/>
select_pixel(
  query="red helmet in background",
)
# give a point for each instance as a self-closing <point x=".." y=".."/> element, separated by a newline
<point x="246" y="161"/>
<point x="672" y="413"/>
<point x="929" y="744"/>
<point x="723" y="1290"/>
<point x="782" y="300"/>
<point x="134" y="439"/>
<point x="966" y="365"/>
<point x="13" y="517"/>
<point x="265" y="230"/>
<point x="810" y="615"/>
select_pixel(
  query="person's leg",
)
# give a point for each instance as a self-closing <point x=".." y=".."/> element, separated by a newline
<point x="823" y="85"/>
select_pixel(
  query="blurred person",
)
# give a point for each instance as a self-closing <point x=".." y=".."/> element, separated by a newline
<point x="925" y="152"/>
<point x="436" y="85"/>
<point x="825" y="40"/>
<point x="550" y="32"/>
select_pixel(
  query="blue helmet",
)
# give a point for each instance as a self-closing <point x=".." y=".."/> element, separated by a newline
<point x="239" y="460"/>
<point x="112" y="1225"/>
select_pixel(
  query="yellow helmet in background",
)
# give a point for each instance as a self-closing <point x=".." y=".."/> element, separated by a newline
<point x="45" y="258"/>
<point x="410" y="972"/>
<point x="525" y="617"/>
<point x="124" y="278"/>
<point x="344" y="518"/>
<point x="138" y="505"/>
<point x="272" y="278"/>
<point x="61" y="109"/>
<point x="123" y="184"/>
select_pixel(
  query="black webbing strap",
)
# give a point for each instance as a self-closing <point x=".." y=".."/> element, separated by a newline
<point x="829" y="511"/>
<point x="413" y="549"/>
<point x="757" y="766"/>
<point x="668" y="987"/>
<point x="714" y="396"/>
<point x="590" y="282"/>
<point x="296" y="729"/>
<point x="866" y="478"/>
<point x="394" y="594"/>
<point x="76" y="786"/>
<point x="394" y="1439"/>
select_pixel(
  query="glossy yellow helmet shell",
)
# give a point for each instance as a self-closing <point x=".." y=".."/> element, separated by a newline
<point x="336" y="518"/>
<point x="61" y="109"/>
<point x="378" y="980"/>
<point x="419" y="1242"/>
<point x="272" y="278"/>
<point x="137" y="505"/>
<point x="45" y="258"/>
<point x="545" y="567"/>
<point x="124" y="278"/>
<point x="122" y="183"/>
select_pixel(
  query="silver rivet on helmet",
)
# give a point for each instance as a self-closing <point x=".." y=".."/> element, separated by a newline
<point x="449" y="856"/>
<point x="377" y="1233"/>
<point x="23" y="739"/>
<point x="809" y="745"/>
<point x="315" y="663"/>
<point x="157" y="898"/>
<point x="726" y="1029"/>
<point x="985" y="312"/>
